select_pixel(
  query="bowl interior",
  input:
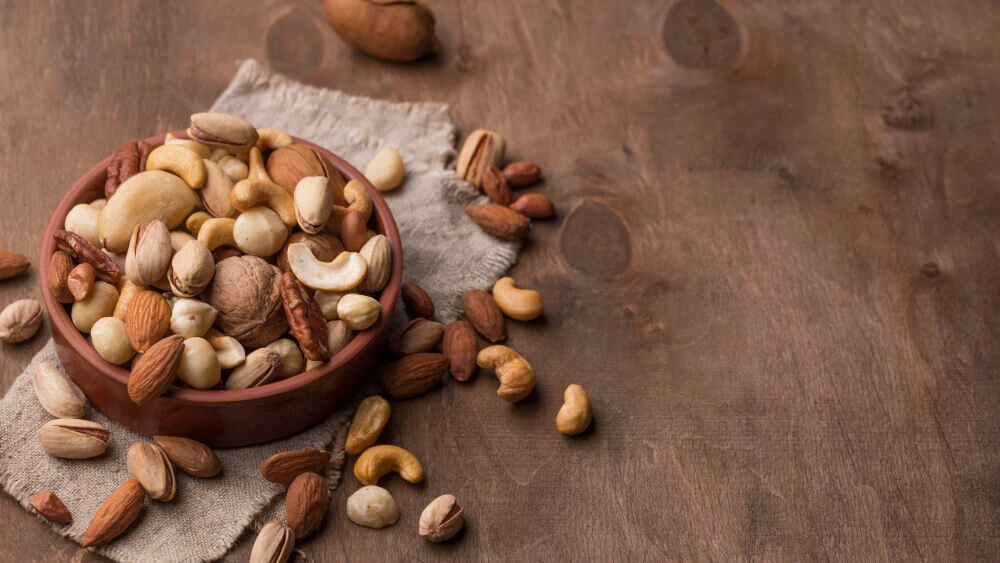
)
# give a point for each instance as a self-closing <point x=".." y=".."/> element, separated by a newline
<point x="91" y="186"/>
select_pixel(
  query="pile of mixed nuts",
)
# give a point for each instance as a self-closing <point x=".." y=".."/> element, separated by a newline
<point x="234" y="258"/>
<point x="207" y="251"/>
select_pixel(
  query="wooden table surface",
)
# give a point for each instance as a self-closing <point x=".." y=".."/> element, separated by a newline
<point x="775" y="267"/>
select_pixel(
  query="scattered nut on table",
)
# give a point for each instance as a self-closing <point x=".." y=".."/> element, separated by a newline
<point x="442" y="519"/>
<point x="575" y="414"/>
<point x="373" y="507"/>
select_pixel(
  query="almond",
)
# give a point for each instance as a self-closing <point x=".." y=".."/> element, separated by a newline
<point x="459" y="344"/>
<point x="156" y="370"/>
<point x="12" y="264"/>
<point x="115" y="514"/>
<point x="413" y="375"/>
<point x="499" y="221"/>
<point x="522" y="174"/>
<point x="60" y="265"/>
<point x="495" y="186"/>
<point x="305" y="504"/>
<point x="352" y="231"/>
<point x="485" y="315"/>
<point x="48" y="505"/>
<point x="147" y="320"/>
<point x="284" y="467"/>
<point x="419" y="335"/>
<point x="416" y="300"/>
<point x="191" y="457"/>
<point x="534" y="206"/>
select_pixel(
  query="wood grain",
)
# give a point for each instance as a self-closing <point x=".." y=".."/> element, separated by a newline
<point x="775" y="268"/>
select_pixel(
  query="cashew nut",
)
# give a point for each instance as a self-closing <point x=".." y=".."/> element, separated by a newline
<point x="251" y="193"/>
<point x="259" y="231"/>
<point x="574" y="415"/>
<point x="357" y="200"/>
<point x="202" y="150"/>
<point x="343" y="273"/>
<point x="195" y="220"/>
<point x="257" y="170"/>
<point x="216" y="232"/>
<point x="519" y="304"/>
<point x="98" y="204"/>
<point x="378" y="461"/>
<point x="272" y="138"/>
<point x="180" y="160"/>
<point x="517" y="377"/>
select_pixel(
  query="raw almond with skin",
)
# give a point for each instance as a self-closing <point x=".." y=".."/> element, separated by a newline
<point x="418" y="303"/>
<point x="499" y="221"/>
<point x="305" y="504"/>
<point x="147" y="320"/>
<point x="12" y="264"/>
<point x="485" y="315"/>
<point x="116" y="514"/>
<point x="522" y="174"/>
<point x="534" y="206"/>
<point x="413" y="375"/>
<point x="191" y="457"/>
<point x="459" y="344"/>
<point x="284" y="467"/>
<point x="156" y="370"/>
<point x="352" y="231"/>
<point x="51" y="507"/>
<point x="60" y="265"/>
<point x="495" y="186"/>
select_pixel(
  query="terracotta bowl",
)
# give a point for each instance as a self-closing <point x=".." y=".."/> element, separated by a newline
<point x="221" y="418"/>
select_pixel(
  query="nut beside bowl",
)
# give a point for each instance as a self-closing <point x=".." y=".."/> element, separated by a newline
<point x="221" y="418"/>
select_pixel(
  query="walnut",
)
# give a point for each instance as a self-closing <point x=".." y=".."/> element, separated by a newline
<point x="246" y="291"/>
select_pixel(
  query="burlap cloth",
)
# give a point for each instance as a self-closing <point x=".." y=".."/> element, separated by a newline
<point x="443" y="251"/>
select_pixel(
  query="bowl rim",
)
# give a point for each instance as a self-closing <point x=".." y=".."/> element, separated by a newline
<point x="61" y="321"/>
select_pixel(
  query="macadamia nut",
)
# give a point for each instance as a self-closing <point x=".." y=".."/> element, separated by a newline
<point x="373" y="507"/>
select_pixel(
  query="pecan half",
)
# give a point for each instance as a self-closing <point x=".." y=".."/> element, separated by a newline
<point x="305" y="318"/>
<point x="81" y="249"/>
<point x="124" y="164"/>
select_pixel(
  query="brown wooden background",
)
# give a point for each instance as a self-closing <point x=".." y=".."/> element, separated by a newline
<point x="776" y="267"/>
